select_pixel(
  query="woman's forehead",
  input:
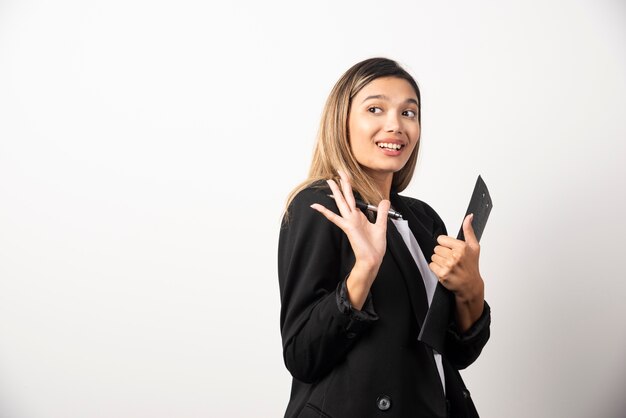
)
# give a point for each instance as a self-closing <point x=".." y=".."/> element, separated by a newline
<point x="387" y="89"/>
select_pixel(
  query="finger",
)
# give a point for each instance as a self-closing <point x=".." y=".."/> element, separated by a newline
<point x="437" y="269"/>
<point x="442" y="275"/>
<point x="346" y="188"/>
<point x="329" y="214"/>
<point x="468" y="230"/>
<point x="343" y="173"/>
<point x="449" y="242"/>
<point x="343" y="207"/>
<point x="383" y="211"/>
<point x="443" y="251"/>
<point x="442" y="262"/>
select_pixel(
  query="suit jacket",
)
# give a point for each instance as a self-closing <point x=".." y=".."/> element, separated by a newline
<point x="347" y="363"/>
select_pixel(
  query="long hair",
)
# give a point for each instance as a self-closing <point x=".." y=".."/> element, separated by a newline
<point x="333" y="151"/>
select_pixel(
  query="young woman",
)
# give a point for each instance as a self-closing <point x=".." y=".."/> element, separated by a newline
<point x="356" y="284"/>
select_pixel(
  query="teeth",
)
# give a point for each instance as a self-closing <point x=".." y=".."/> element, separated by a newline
<point x="389" y="146"/>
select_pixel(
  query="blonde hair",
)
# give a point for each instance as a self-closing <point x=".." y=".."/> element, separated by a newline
<point x="332" y="149"/>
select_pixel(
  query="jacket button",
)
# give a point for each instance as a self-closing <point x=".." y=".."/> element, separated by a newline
<point x="466" y="394"/>
<point x="383" y="402"/>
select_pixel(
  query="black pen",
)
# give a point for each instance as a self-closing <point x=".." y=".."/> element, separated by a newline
<point x="362" y="205"/>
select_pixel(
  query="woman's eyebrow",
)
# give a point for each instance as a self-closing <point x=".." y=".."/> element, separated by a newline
<point x="383" y="97"/>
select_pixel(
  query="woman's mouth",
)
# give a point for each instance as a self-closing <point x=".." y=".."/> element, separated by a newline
<point x="390" y="146"/>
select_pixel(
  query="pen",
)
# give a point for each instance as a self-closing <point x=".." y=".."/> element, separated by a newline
<point x="362" y="205"/>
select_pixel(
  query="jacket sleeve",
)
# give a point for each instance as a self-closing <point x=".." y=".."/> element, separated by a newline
<point x="462" y="349"/>
<point x="318" y="326"/>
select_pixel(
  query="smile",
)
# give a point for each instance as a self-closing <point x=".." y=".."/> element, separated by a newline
<point x="385" y="145"/>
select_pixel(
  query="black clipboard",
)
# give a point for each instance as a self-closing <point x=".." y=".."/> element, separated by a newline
<point x="437" y="318"/>
<point x="480" y="205"/>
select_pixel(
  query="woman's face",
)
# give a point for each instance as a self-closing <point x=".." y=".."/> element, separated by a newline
<point x="383" y="126"/>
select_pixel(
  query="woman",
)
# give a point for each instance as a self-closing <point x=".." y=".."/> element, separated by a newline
<point x="356" y="284"/>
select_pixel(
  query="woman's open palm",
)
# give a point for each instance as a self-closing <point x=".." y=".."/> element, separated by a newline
<point x="368" y="240"/>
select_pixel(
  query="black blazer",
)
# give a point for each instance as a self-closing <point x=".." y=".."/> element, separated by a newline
<point x="347" y="363"/>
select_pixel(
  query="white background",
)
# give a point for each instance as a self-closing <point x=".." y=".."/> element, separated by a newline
<point x="147" y="147"/>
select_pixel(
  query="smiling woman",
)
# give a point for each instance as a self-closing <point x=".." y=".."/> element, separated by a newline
<point x="384" y="129"/>
<point x="356" y="286"/>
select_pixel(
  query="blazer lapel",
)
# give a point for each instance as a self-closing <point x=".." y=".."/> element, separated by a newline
<point x="434" y="322"/>
<point x="410" y="272"/>
<point x="421" y="226"/>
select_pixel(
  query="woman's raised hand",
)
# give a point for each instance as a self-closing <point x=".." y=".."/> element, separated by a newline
<point x="368" y="240"/>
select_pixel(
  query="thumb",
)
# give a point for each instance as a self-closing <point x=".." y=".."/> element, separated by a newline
<point x="468" y="230"/>
<point x="383" y="210"/>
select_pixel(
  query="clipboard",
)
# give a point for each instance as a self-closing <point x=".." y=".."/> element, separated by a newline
<point x="480" y="205"/>
<point x="437" y="318"/>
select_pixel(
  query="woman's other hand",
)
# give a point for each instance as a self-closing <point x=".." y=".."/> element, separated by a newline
<point x="455" y="263"/>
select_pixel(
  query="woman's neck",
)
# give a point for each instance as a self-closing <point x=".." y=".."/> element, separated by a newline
<point x="383" y="183"/>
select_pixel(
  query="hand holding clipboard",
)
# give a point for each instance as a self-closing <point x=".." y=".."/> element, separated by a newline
<point x="435" y="324"/>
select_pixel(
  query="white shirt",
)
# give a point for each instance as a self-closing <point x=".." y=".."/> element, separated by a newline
<point x="429" y="278"/>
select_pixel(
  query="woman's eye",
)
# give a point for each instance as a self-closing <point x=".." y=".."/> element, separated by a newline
<point x="409" y="113"/>
<point x="374" y="109"/>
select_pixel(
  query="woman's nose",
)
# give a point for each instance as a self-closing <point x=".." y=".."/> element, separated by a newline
<point x="392" y="122"/>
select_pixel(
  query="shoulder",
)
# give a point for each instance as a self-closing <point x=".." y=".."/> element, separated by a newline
<point x="419" y="206"/>
<point x="302" y="223"/>
<point x="317" y="192"/>
<point x="425" y="213"/>
<point x="299" y="209"/>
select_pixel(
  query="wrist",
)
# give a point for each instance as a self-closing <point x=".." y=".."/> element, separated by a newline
<point x="365" y="271"/>
<point x="359" y="283"/>
<point x="469" y="306"/>
<point x="471" y="294"/>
